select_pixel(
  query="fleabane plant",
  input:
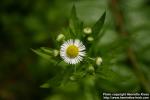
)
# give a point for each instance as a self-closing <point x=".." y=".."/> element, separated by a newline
<point x="75" y="45"/>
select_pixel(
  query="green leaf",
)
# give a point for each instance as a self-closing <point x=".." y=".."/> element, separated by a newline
<point x="75" y="24"/>
<point x="98" y="26"/>
<point x="41" y="53"/>
<point x="73" y="13"/>
<point x="47" y="50"/>
<point x="45" y="85"/>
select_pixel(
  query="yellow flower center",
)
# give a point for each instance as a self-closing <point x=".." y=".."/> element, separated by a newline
<point x="72" y="51"/>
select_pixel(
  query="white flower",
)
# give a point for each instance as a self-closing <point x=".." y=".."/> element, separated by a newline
<point x="72" y="51"/>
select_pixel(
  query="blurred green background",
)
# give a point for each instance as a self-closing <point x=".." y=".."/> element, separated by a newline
<point x="26" y="24"/>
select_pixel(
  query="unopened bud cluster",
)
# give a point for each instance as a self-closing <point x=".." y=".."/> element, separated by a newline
<point x="88" y="31"/>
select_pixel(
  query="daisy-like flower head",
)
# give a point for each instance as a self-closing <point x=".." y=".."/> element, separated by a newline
<point x="72" y="51"/>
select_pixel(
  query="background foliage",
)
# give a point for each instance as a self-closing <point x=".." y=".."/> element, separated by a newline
<point x="124" y="47"/>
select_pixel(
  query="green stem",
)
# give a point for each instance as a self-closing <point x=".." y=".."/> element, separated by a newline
<point x="93" y="59"/>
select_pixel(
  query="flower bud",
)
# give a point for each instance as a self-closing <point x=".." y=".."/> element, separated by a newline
<point x="91" y="69"/>
<point x="56" y="53"/>
<point x="60" y="37"/>
<point x="87" y="30"/>
<point x="72" y="78"/>
<point x="90" y="39"/>
<point x="98" y="61"/>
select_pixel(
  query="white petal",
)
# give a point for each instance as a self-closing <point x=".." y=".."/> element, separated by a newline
<point x="80" y="55"/>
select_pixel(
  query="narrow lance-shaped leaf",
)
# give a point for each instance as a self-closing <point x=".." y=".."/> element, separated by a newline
<point x="98" y="26"/>
<point x="73" y="13"/>
<point x="75" y="24"/>
<point x="42" y="54"/>
<point x="47" y="50"/>
<point x="73" y="21"/>
<point x="96" y="34"/>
